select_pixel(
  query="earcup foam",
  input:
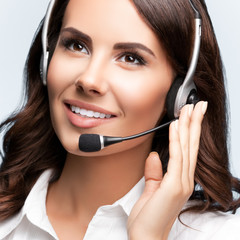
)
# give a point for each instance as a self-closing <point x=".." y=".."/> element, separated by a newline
<point x="171" y="96"/>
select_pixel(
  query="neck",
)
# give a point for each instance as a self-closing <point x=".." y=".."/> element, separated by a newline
<point x="87" y="183"/>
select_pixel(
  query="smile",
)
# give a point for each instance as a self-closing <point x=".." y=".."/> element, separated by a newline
<point x="88" y="113"/>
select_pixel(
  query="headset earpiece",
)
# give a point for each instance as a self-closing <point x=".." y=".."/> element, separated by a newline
<point x="193" y="97"/>
<point x="45" y="55"/>
<point x="41" y="69"/>
<point x="171" y="96"/>
<point x="44" y="61"/>
<point x="179" y="95"/>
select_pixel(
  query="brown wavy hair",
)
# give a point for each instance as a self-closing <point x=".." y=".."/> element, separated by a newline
<point x="31" y="146"/>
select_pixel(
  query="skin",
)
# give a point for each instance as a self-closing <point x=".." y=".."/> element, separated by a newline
<point x="102" y="74"/>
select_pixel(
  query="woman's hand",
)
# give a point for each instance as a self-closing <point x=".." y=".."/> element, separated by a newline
<point x="153" y="215"/>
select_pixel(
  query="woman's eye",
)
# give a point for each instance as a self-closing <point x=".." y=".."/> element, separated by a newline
<point x="132" y="59"/>
<point x="75" y="46"/>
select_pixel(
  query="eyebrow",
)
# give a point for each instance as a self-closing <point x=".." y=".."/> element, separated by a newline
<point x="117" y="46"/>
<point x="77" y="33"/>
<point x="133" y="45"/>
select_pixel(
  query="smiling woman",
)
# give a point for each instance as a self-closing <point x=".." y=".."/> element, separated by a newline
<point x="111" y="67"/>
<point x="105" y="69"/>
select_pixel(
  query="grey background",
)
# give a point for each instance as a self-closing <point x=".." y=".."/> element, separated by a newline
<point x="19" y="20"/>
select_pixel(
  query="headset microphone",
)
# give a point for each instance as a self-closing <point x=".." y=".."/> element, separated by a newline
<point x="95" y="142"/>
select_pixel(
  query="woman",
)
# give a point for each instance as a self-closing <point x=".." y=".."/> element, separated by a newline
<point x="111" y="66"/>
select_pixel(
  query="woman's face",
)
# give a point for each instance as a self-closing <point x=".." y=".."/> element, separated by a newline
<point x="108" y="75"/>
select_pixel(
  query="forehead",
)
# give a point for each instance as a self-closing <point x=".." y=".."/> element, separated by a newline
<point x="115" y="20"/>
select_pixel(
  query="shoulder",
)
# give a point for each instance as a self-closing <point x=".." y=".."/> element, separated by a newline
<point x="207" y="225"/>
<point x="33" y="213"/>
<point x="224" y="226"/>
<point x="8" y="225"/>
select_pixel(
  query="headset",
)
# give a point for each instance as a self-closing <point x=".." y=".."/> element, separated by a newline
<point x="182" y="91"/>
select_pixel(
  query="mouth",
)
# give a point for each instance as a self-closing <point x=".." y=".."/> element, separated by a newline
<point x="85" y="113"/>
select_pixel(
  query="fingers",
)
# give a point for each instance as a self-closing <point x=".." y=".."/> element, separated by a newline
<point x="184" y="138"/>
<point x="195" y="133"/>
<point x="174" y="169"/>
<point x="153" y="178"/>
<point x="153" y="172"/>
<point x="184" y="135"/>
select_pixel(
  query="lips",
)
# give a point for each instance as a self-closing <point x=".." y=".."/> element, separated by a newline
<point x="86" y="115"/>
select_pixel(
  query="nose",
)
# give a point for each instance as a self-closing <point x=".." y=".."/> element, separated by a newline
<point x="93" y="81"/>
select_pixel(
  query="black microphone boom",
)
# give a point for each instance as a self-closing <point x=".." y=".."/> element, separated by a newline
<point x="95" y="142"/>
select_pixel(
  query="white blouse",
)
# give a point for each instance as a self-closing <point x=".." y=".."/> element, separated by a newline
<point x="109" y="222"/>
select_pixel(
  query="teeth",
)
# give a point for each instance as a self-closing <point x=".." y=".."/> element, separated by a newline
<point x="88" y="113"/>
<point x="73" y="108"/>
<point x="83" y="112"/>
<point x="96" y="114"/>
<point x="102" y="115"/>
<point x="77" y="110"/>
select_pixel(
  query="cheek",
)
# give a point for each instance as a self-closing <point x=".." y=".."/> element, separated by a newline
<point x="63" y="71"/>
<point x="60" y="77"/>
<point x="61" y="74"/>
<point x="143" y="96"/>
<point x="58" y="80"/>
<point x="55" y="85"/>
